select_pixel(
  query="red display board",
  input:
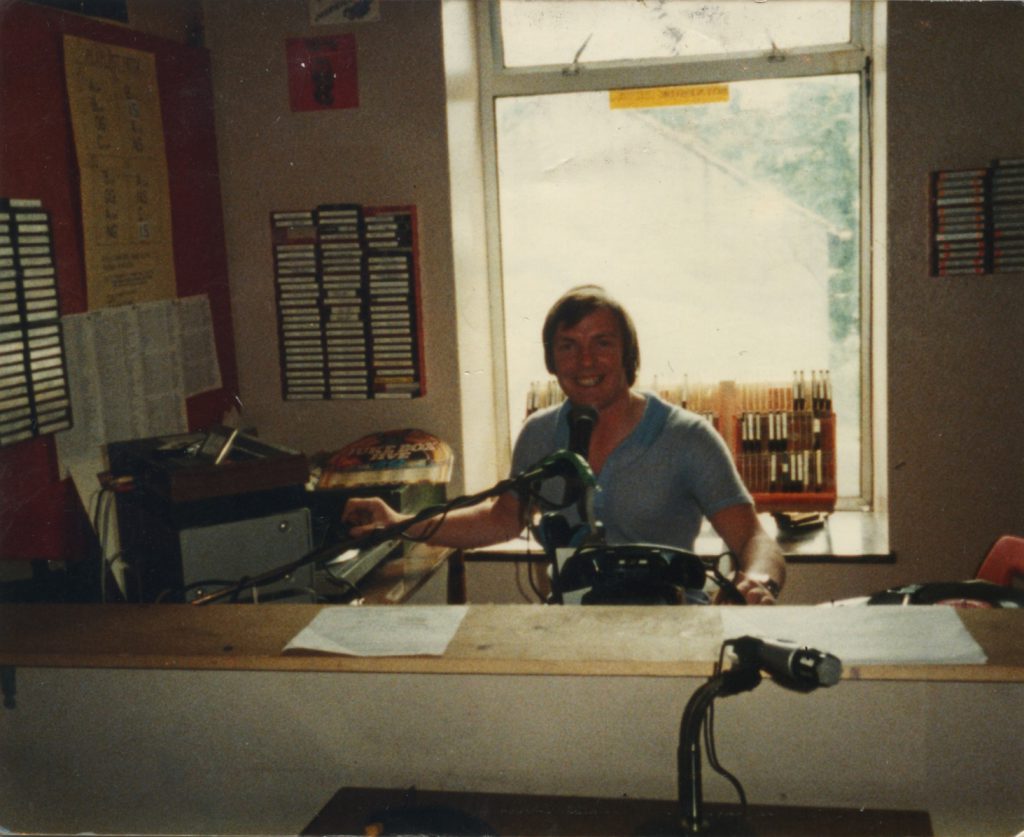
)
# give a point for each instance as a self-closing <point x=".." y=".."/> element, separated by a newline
<point x="40" y="514"/>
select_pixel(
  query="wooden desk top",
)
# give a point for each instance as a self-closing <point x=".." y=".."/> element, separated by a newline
<point x="493" y="639"/>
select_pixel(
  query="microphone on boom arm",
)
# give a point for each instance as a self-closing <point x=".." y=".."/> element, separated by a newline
<point x="564" y="464"/>
<point x="570" y="465"/>
<point x="582" y="418"/>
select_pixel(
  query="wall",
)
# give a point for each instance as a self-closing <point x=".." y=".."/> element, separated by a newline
<point x="259" y="753"/>
<point x="180" y="21"/>
<point x="955" y="362"/>
<point x="389" y="150"/>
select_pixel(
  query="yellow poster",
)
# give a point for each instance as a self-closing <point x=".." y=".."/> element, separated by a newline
<point x="119" y="144"/>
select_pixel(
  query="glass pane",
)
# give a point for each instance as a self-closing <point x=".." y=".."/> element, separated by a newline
<point x="537" y="32"/>
<point x="728" y="229"/>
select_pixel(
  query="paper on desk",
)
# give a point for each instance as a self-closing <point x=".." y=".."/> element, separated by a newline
<point x="880" y="635"/>
<point x="381" y="631"/>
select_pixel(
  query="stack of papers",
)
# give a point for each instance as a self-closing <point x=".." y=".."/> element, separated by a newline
<point x="868" y="635"/>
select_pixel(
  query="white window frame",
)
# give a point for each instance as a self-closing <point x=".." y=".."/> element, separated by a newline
<point x="860" y="55"/>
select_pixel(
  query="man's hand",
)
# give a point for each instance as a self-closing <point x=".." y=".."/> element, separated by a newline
<point x="364" y="514"/>
<point x="762" y="569"/>
<point x="757" y="588"/>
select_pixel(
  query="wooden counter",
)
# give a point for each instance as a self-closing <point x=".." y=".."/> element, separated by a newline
<point x="493" y="639"/>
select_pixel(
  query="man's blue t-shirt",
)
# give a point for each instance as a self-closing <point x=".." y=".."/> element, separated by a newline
<point x="672" y="470"/>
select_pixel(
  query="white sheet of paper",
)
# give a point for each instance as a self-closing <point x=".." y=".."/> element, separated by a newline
<point x="199" y="366"/>
<point x="381" y="630"/>
<point x="875" y="634"/>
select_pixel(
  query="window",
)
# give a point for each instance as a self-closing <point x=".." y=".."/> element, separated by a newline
<point x="706" y="163"/>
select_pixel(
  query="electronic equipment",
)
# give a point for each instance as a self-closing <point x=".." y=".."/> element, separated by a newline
<point x="217" y="556"/>
<point x="209" y="507"/>
<point x="197" y="466"/>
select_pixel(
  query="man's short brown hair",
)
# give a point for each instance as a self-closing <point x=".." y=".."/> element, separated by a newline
<point x="579" y="302"/>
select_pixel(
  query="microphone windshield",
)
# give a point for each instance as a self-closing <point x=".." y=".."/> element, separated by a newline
<point x="582" y="419"/>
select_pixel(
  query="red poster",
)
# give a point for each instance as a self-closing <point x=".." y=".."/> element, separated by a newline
<point x="322" y="73"/>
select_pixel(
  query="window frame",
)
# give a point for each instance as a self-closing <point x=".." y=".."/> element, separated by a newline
<point x="497" y="81"/>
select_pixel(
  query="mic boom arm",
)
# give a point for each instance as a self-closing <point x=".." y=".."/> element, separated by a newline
<point x="562" y="463"/>
<point x="798" y="667"/>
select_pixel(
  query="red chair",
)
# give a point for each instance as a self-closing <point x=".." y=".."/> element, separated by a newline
<point x="1004" y="562"/>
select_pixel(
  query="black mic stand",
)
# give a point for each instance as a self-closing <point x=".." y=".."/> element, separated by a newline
<point x="803" y="670"/>
<point x="740" y="678"/>
<point x="560" y="463"/>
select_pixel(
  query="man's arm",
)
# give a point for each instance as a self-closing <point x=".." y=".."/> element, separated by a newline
<point x="760" y="560"/>
<point x="492" y="521"/>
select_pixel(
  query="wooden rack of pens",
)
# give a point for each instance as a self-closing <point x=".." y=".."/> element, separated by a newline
<point x="785" y="444"/>
<point x="782" y="435"/>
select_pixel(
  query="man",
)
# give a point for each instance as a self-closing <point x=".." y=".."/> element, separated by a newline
<point x="660" y="468"/>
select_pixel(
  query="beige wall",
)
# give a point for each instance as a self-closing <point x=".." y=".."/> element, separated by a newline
<point x="389" y="150"/>
<point x="956" y="365"/>
<point x="183" y="752"/>
<point x="181" y="20"/>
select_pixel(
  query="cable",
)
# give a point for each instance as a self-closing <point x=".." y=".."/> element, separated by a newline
<point x="709" y="739"/>
<point x="725" y="584"/>
<point x="712" y="753"/>
<point x="344" y="583"/>
<point x="431" y="528"/>
<point x="531" y="568"/>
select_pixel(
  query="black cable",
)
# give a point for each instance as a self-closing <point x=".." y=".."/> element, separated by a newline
<point x="709" y="740"/>
<point x="725" y="584"/>
<point x="99" y="520"/>
<point x="712" y="753"/>
<point x="379" y="536"/>
<point x="431" y="528"/>
<point x="344" y="583"/>
<point x="530" y="567"/>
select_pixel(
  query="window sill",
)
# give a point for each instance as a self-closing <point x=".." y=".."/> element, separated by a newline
<point x="845" y="537"/>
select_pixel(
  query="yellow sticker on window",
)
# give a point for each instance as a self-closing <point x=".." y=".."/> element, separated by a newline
<point x="660" y="97"/>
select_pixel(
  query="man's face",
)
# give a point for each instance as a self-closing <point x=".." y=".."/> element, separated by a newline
<point x="588" y="360"/>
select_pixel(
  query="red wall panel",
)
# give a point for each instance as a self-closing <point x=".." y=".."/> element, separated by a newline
<point x="40" y="516"/>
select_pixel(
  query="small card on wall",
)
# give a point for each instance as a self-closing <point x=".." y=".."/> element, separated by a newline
<point x="322" y="73"/>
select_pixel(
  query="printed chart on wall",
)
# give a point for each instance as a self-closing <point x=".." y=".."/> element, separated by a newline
<point x="119" y="145"/>
<point x="348" y="302"/>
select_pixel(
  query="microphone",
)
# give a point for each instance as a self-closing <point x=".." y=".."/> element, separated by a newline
<point x="795" y="666"/>
<point x="582" y="419"/>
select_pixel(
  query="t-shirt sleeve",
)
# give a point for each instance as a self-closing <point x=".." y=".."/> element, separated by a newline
<point x="536" y="440"/>
<point x="716" y="484"/>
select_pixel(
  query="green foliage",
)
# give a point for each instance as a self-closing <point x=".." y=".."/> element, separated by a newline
<point x="802" y="136"/>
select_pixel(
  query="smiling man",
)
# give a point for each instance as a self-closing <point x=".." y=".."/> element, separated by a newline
<point x="661" y="469"/>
